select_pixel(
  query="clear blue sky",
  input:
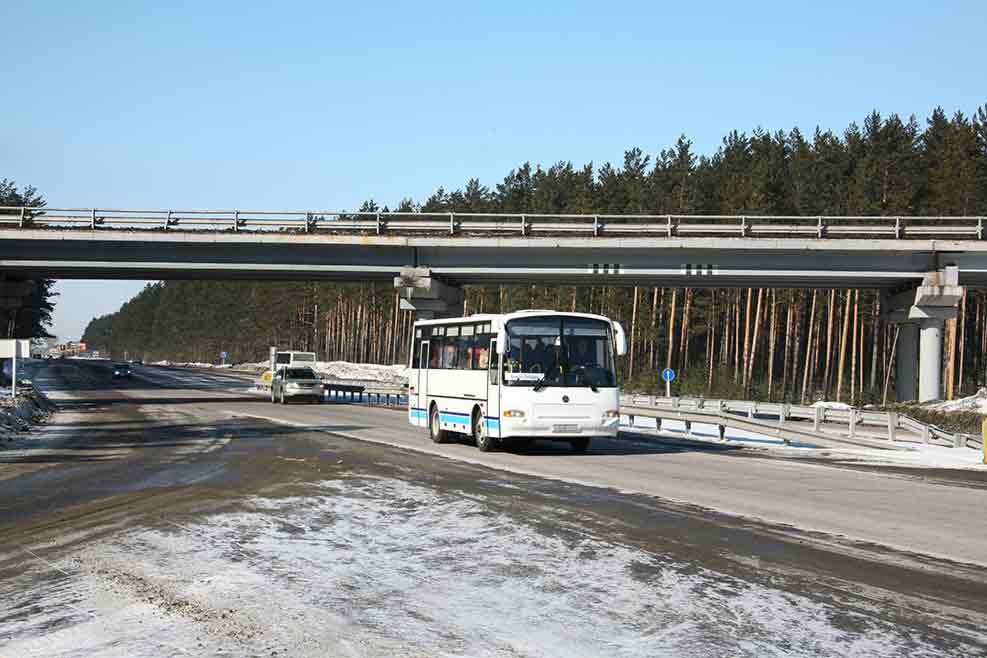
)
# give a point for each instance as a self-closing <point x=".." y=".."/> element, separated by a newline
<point x="321" y="104"/>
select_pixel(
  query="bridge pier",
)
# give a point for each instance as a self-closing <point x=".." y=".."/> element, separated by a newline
<point x="428" y="296"/>
<point x="920" y="313"/>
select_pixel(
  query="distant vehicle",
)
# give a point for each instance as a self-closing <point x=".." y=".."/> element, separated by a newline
<point x="121" y="370"/>
<point x="291" y="359"/>
<point x="290" y="383"/>
<point x="522" y="376"/>
<point x="136" y="362"/>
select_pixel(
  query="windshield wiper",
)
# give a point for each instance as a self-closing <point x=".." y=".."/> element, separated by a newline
<point x="541" y="384"/>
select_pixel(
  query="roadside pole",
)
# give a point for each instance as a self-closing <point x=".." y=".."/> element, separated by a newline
<point x="983" y="439"/>
<point x="668" y="375"/>
<point x="13" y="373"/>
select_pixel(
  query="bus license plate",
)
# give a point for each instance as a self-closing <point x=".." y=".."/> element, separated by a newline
<point x="565" y="429"/>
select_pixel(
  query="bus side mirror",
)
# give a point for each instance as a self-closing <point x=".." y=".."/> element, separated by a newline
<point x="501" y="341"/>
<point x="621" y="339"/>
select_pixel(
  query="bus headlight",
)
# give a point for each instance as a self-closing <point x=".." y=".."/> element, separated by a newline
<point x="611" y="413"/>
<point x="513" y="413"/>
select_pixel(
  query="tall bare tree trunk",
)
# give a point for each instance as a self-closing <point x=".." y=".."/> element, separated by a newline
<point x="844" y="329"/>
<point x="630" y="358"/>
<point x="874" y="341"/>
<point x="748" y="375"/>
<point x="788" y="344"/>
<point x="959" y="383"/>
<point x="808" y="346"/>
<point x="684" y="337"/>
<point x="771" y="342"/>
<point x="671" y="329"/>
<point x="829" y="343"/>
<point x="711" y="349"/>
<point x="747" y="336"/>
<point x="853" y="353"/>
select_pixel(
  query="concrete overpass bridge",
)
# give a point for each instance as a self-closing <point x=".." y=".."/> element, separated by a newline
<point x="921" y="264"/>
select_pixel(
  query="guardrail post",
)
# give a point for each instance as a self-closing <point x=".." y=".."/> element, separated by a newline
<point x="630" y="420"/>
<point x="722" y="431"/>
<point x="167" y="221"/>
<point x="743" y="226"/>
<point x="236" y="220"/>
<point x="651" y="400"/>
<point x="22" y="217"/>
<point x="596" y="225"/>
<point x="980" y="228"/>
<point x="308" y="222"/>
<point x="751" y="410"/>
<point x="892" y="425"/>
<point x="816" y="418"/>
<point x="452" y="224"/>
<point x="658" y="423"/>
<point x="688" y="428"/>
<point x="524" y="228"/>
<point x="925" y="433"/>
<point x="898" y="229"/>
<point x="92" y="219"/>
<point x="671" y="231"/>
<point x="378" y="223"/>
<point x="820" y="228"/>
<point x="853" y="423"/>
<point x="983" y="439"/>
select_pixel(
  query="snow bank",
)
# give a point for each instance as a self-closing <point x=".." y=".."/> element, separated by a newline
<point x="823" y="404"/>
<point x="19" y="416"/>
<point x="976" y="403"/>
<point x="345" y="371"/>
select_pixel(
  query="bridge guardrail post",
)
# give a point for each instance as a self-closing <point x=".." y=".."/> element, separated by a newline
<point x="92" y="219"/>
<point x="21" y="223"/>
<point x="379" y="226"/>
<point x="899" y="230"/>
<point x="980" y="228"/>
<point x="452" y="223"/>
<point x="596" y="226"/>
<point x="236" y="221"/>
<point x="820" y="227"/>
<point x="167" y="220"/>
<point x="743" y="226"/>
<point x="524" y="228"/>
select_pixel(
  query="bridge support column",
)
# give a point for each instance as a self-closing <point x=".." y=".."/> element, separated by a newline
<point x="930" y="360"/>
<point x="428" y="296"/>
<point x="906" y="363"/>
<point x="923" y="309"/>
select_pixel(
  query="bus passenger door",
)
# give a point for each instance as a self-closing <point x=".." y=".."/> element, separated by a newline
<point x="493" y="391"/>
<point x="419" y="411"/>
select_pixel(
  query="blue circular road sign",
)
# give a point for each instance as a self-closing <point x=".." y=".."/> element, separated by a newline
<point x="667" y="375"/>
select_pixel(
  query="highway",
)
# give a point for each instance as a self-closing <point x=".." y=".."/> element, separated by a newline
<point x="179" y="514"/>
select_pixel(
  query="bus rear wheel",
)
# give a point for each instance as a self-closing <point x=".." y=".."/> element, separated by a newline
<point x="435" y="431"/>
<point x="580" y="445"/>
<point x="484" y="442"/>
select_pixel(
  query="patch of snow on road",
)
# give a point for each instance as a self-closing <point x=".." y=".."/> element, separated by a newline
<point x="382" y="567"/>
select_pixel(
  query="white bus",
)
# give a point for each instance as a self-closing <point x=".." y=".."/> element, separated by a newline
<point x="292" y="359"/>
<point x="523" y="376"/>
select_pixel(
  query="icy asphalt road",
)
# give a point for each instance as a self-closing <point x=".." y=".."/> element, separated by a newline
<point x="151" y="521"/>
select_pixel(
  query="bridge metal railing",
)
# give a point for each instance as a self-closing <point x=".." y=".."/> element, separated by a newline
<point x="505" y="224"/>
<point x="811" y="424"/>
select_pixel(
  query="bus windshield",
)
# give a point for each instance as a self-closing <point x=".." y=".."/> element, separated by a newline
<point x="559" y="351"/>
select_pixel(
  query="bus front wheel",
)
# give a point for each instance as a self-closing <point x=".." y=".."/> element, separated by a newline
<point x="435" y="431"/>
<point x="484" y="442"/>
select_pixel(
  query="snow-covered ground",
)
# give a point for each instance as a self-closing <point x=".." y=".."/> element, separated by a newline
<point x="381" y="567"/>
<point x="395" y="375"/>
<point x="976" y="402"/>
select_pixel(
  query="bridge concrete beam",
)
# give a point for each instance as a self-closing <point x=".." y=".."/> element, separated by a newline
<point x="429" y="297"/>
<point x="920" y="312"/>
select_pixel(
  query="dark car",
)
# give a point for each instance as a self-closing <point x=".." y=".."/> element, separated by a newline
<point x="121" y="370"/>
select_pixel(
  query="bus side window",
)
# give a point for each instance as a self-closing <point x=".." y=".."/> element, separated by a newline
<point x="492" y="370"/>
<point x="435" y="353"/>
